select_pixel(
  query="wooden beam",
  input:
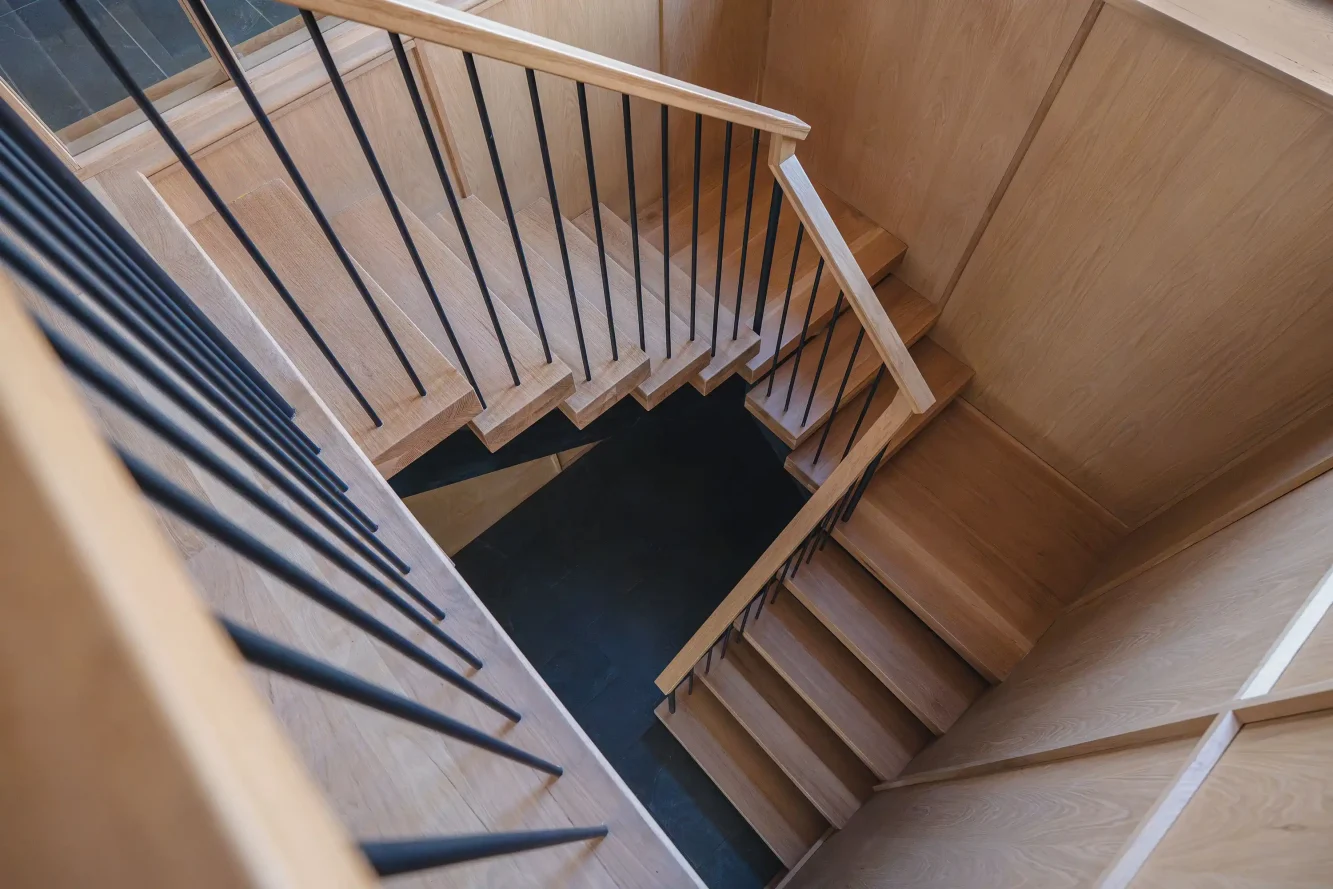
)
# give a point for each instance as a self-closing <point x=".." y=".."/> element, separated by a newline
<point x="812" y="513"/>
<point x="137" y="751"/>
<point x="833" y="248"/>
<point x="440" y="24"/>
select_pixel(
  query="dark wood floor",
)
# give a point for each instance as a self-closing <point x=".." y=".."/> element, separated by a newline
<point x="602" y="575"/>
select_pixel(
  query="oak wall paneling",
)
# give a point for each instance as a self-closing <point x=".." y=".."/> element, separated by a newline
<point x="1153" y="297"/>
<point x="918" y="109"/>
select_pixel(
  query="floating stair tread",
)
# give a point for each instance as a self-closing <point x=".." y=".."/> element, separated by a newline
<point x="611" y="379"/>
<point x="804" y="747"/>
<point x="912" y="315"/>
<point x="946" y="377"/>
<point x="710" y="195"/>
<point x="764" y="796"/>
<point x="877" y="253"/>
<point x="290" y="239"/>
<point x="369" y="232"/>
<point x="828" y="677"/>
<point x="979" y="537"/>
<point x="902" y="652"/>
<point x="666" y="375"/>
<point x="731" y="353"/>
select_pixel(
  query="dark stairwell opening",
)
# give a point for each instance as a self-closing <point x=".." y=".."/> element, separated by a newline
<point x="601" y="576"/>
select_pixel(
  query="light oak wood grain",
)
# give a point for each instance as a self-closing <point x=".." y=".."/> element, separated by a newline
<point x="457" y="514"/>
<point x="1175" y="337"/>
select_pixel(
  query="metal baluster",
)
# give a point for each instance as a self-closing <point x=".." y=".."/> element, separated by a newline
<point x="633" y="214"/>
<point x="555" y="213"/>
<point x="208" y="520"/>
<point x="690" y="688"/>
<point x="410" y="80"/>
<point x="864" y="484"/>
<point x="666" y="230"/>
<point x="842" y="387"/>
<point x="671" y="702"/>
<point x="480" y="99"/>
<point x="721" y="234"/>
<point x="805" y="331"/>
<point x="865" y="409"/>
<point x="278" y="658"/>
<point x="597" y="216"/>
<point x="409" y="856"/>
<point x="766" y="265"/>
<point x="833" y="517"/>
<point x="376" y="171"/>
<point x="745" y="236"/>
<point x="233" y="68"/>
<point x="694" y="225"/>
<point x="823" y="355"/>
<point x="786" y="304"/>
<point x="187" y="162"/>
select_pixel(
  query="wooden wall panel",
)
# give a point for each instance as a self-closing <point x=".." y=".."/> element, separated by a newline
<point x="1183" y="635"/>
<point x="1314" y="662"/>
<point x="1050" y="825"/>
<point x="918" y="107"/>
<point x="1154" y="296"/>
<point x="1262" y="817"/>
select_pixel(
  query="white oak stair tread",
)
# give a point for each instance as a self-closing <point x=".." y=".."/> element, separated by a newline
<point x="494" y="245"/>
<point x="804" y="747"/>
<point x="902" y="652"/>
<point x="667" y="374"/>
<point x="290" y="239"/>
<point x="877" y="252"/>
<point x="912" y="315"/>
<point x="731" y="353"/>
<point x="946" y="376"/>
<point x="764" y="796"/>
<point x="368" y="231"/>
<point x="858" y="707"/>
<point x="979" y="537"/>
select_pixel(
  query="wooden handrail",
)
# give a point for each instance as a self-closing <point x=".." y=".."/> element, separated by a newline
<point x="138" y="751"/>
<point x="855" y="286"/>
<point x="436" y="23"/>
<point x="845" y="475"/>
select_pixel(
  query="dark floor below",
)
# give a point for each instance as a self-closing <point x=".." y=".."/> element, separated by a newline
<point x="602" y="576"/>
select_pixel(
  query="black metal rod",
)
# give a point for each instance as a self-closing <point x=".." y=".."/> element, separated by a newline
<point x="633" y="214"/>
<point x="690" y="686"/>
<point x="208" y="520"/>
<point x="671" y="701"/>
<point x="49" y="211"/>
<point x="409" y="856"/>
<point x="745" y="619"/>
<point x="187" y="162"/>
<point x="557" y="218"/>
<point x="694" y="224"/>
<point x="766" y="264"/>
<point x="271" y="655"/>
<point x="726" y="638"/>
<point x="833" y="517"/>
<point x="479" y="99"/>
<point x="708" y="659"/>
<point x="95" y="289"/>
<point x="377" y="171"/>
<point x="842" y="387"/>
<point x="424" y="119"/>
<point x="786" y="306"/>
<point x="721" y="233"/>
<point x="223" y="51"/>
<point x="745" y="235"/>
<point x="805" y="332"/>
<point x="861" y="487"/>
<point x="666" y="227"/>
<point x="597" y="215"/>
<point x="100" y="330"/>
<point x="865" y="409"/>
<point x="823" y="356"/>
<point x="106" y="235"/>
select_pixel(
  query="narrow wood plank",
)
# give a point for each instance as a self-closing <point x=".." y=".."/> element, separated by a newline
<point x="494" y="246"/>
<point x="833" y="247"/>
<point x="292" y="243"/>
<point x="764" y="796"/>
<point x="788" y="420"/>
<point x="946" y="375"/>
<point x="372" y="236"/>
<point x="901" y="651"/>
<point x="857" y="706"/>
<point x="806" y="749"/>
